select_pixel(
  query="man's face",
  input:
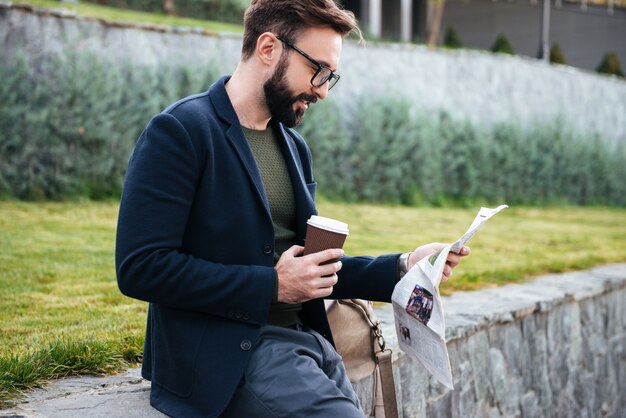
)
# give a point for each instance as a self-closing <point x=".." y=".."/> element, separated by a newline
<point x="288" y="91"/>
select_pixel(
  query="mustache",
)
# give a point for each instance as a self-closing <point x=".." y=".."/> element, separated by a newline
<point x="306" y="98"/>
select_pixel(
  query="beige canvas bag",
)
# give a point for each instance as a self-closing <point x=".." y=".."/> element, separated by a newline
<point x="359" y="340"/>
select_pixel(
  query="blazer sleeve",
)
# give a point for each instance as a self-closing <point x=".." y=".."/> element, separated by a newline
<point x="158" y="193"/>
<point x="370" y="278"/>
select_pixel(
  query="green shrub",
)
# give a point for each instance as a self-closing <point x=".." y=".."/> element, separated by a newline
<point x="380" y="141"/>
<point x="329" y="141"/>
<point x="388" y="153"/>
<point x="67" y="127"/>
<point x="502" y="45"/>
<point x="451" y="39"/>
<point x="556" y="55"/>
<point x="610" y="65"/>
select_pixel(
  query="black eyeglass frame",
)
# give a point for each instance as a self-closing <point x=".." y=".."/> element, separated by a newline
<point x="333" y="77"/>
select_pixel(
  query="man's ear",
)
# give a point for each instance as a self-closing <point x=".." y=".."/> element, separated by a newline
<point x="268" y="48"/>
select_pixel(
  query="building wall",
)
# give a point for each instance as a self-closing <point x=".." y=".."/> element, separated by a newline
<point x="391" y="19"/>
<point x="584" y="36"/>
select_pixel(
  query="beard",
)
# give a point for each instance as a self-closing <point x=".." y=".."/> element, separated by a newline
<point x="280" y="99"/>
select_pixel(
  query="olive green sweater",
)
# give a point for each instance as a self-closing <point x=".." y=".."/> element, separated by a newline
<point x="279" y="193"/>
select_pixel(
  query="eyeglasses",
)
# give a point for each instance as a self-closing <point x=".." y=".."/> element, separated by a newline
<point x="323" y="73"/>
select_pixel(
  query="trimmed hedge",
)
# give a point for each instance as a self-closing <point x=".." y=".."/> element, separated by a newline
<point x="388" y="153"/>
<point x="68" y="126"/>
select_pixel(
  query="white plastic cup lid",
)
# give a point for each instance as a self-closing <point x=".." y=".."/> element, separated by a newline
<point x="328" y="224"/>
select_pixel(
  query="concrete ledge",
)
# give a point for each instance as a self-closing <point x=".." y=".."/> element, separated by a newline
<point x="555" y="346"/>
<point x="124" y="395"/>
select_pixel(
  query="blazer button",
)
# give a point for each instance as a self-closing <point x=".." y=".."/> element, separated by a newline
<point x="267" y="249"/>
<point x="245" y="345"/>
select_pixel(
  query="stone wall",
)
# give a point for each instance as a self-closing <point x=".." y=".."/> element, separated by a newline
<point x="479" y="86"/>
<point x="552" y="347"/>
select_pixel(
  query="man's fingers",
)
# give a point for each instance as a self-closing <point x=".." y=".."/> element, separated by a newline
<point x="328" y="283"/>
<point x="305" y="278"/>
<point x="322" y="292"/>
<point x="329" y="269"/>
<point x="295" y="250"/>
<point x="453" y="260"/>
<point x="330" y="254"/>
<point x="464" y="251"/>
<point x="323" y="286"/>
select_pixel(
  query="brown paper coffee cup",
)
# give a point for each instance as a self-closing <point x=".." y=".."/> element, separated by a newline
<point x="324" y="233"/>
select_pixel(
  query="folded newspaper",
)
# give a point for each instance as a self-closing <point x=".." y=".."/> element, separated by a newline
<point x="417" y="309"/>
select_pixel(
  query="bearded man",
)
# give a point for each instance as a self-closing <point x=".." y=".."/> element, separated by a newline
<point x="211" y="231"/>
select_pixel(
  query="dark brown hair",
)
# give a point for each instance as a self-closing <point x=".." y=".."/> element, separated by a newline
<point x="289" y="18"/>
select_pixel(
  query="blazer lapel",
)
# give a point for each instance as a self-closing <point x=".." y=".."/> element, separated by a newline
<point x="305" y="205"/>
<point x="242" y="148"/>
<point x="234" y="134"/>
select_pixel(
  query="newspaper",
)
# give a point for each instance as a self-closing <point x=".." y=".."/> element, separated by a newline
<point x="419" y="317"/>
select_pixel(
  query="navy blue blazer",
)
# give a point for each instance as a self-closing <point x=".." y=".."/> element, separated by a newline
<point x="195" y="239"/>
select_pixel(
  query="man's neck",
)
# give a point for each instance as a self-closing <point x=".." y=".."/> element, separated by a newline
<point x="245" y="91"/>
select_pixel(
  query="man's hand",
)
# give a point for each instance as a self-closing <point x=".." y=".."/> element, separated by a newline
<point x="425" y="250"/>
<point x="302" y="278"/>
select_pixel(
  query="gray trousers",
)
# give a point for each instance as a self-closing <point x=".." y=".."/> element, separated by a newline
<point x="294" y="373"/>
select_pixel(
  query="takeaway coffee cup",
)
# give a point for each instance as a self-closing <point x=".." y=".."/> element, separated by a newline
<point x="324" y="233"/>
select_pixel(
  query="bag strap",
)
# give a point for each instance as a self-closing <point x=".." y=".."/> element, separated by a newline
<point x="385" y="369"/>
<point x="383" y="360"/>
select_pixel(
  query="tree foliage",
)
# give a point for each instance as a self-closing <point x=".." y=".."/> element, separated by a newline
<point x="502" y="45"/>
<point x="451" y="39"/>
<point x="610" y="65"/>
<point x="556" y="55"/>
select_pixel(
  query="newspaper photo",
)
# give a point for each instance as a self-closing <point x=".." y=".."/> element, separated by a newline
<point x="418" y="313"/>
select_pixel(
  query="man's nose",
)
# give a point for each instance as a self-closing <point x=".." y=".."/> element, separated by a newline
<point x="321" y="91"/>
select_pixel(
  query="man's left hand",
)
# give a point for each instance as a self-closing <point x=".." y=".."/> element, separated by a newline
<point x="426" y="250"/>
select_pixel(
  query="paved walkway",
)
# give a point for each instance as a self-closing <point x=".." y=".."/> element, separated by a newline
<point x="124" y="395"/>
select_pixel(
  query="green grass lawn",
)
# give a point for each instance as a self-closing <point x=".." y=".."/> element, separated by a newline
<point x="96" y="11"/>
<point x="62" y="314"/>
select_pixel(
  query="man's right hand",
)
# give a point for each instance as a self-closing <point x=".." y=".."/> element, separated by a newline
<point x="302" y="278"/>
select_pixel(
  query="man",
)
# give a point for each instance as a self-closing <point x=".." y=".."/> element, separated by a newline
<point x="211" y="227"/>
